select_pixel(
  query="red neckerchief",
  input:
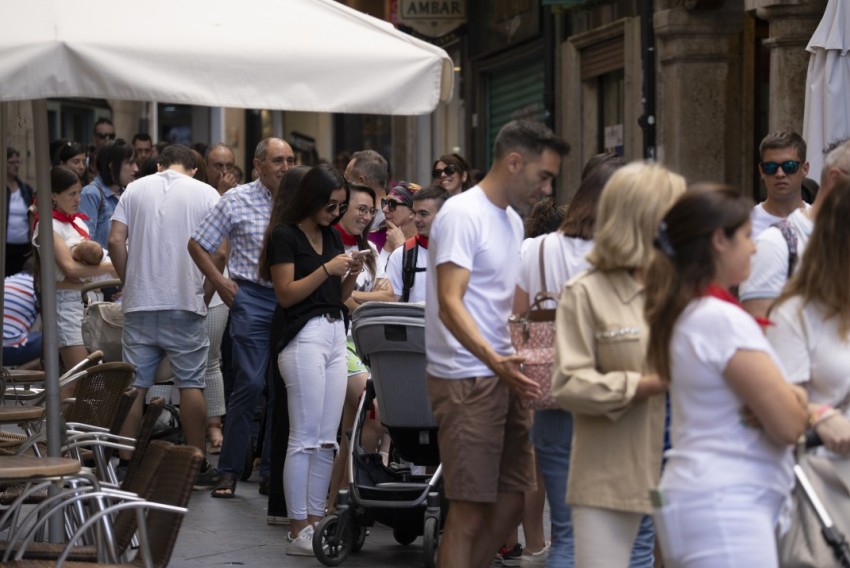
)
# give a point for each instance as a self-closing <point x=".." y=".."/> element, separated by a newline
<point x="65" y="218"/>
<point x="347" y="240"/>
<point x="720" y="293"/>
<point x="422" y="241"/>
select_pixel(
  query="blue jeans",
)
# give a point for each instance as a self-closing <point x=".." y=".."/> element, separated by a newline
<point x="552" y="435"/>
<point x="250" y="323"/>
<point x="14" y="356"/>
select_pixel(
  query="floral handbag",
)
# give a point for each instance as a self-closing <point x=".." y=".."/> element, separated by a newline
<point x="533" y="337"/>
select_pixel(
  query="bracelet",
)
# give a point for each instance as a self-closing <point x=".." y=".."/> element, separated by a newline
<point x="819" y="413"/>
<point x="824" y="417"/>
<point x="325" y="268"/>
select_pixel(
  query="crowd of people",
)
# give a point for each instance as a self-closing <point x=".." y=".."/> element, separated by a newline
<point x="696" y="338"/>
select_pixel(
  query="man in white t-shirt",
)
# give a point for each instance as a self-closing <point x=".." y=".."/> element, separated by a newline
<point x="782" y="168"/>
<point x="475" y="380"/>
<point x="163" y="301"/>
<point x="774" y="261"/>
<point x="407" y="264"/>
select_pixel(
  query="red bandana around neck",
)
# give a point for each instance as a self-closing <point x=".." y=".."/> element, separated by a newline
<point x="716" y="291"/>
<point x="347" y="240"/>
<point x="65" y="218"/>
<point x="422" y="241"/>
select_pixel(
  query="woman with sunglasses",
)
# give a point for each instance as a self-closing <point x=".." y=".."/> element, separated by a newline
<point x="398" y="212"/>
<point x="452" y="172"/>
<point x="312" y="278"/>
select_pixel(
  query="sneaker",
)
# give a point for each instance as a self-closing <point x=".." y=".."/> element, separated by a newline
<point x="302" y="545"/>
<point x="207" y="478"/>
<point x="277" y="520"/>
<point x="534" y="559"/>
<point x="511" y="557"/>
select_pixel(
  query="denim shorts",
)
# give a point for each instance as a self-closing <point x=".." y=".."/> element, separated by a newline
<point x="178" y="334"/>
<point x="69" y="308"/>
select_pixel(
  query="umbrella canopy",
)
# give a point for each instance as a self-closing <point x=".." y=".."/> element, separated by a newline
<point x="300" y="55"/>
<point x="826" y="117"/>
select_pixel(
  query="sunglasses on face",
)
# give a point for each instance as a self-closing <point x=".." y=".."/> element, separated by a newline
<point x="333" y="206"/>
<point x="391" y="204"/>
<point x="105" y="135"/>
<point x="789" y="167"/>
<point x="448" y="170"/>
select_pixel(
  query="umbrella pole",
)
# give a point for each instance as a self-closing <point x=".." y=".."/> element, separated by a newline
<point x="48" y="292"/>
<point x="4" y="108"/>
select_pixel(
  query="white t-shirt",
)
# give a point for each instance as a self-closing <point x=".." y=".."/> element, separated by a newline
<point x="420" y="282"/>
<point x="563" y="258"/>
<point x="769" y="264"/>
<point x="69" y="234"/>
<point x="711" y="448"/>
<point x="473" y="233"/>
<point x="761" y="219"/>
<point x="18" y="231"/>
<point x="161" y="211"/>
<point x="811" y="350"/>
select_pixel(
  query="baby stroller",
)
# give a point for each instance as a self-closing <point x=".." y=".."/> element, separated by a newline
<point x="815" y="483"/>
<point x="391" y="339"/>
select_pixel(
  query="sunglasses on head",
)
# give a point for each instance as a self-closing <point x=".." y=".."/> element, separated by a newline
<point x="448" y="170"/>
<point x="333" y="206"/>
<point x="391" y="204"/>
<point x="789" y="167"/>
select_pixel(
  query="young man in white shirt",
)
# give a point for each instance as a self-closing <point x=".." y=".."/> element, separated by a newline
<point x="474" y="377"/>
<point x="774" y="261"/>
<point x="407" y="264"/>
<point x="782" y="168"/>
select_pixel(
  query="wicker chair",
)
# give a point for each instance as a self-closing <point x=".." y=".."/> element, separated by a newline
<point x="165" y="507"/>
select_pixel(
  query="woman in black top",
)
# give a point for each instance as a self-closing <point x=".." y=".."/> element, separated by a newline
<point x="312" y="277"/>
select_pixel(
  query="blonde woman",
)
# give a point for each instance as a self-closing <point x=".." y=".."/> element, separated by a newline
<point x="600" y="370"/>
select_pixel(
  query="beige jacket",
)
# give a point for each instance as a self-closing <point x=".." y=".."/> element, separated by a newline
<point x="600" y="355"/>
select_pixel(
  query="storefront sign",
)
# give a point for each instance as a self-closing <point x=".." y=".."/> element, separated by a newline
<point x="432" y="18"/>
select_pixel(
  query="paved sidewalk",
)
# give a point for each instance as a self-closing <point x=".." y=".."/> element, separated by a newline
<point x="233" y="532"/>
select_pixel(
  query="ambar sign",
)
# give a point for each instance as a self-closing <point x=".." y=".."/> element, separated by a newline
<point x="432" y="18"/>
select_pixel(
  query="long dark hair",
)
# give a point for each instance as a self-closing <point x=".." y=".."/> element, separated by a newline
<point x="684" y="263"/>
<point x="581" y="214"/>
<point x="313" y="193"/>
<point x="109" y="160"/>
<point x="288" y="186"/>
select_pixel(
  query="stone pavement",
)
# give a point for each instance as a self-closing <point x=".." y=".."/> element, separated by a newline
<point x="233" y="532"/>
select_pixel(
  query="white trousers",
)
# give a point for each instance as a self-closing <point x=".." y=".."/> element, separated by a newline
<point x="313" y="367"/>
<point x="733" y="527"/>
<point x="603" y="537"/>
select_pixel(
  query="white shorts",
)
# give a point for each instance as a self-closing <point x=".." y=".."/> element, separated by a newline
<point x="69" y="307"/>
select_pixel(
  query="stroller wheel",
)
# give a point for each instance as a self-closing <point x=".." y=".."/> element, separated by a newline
<point x="332" y="541"/>
<point x="403" y="538"/>
<point x="360" y="531"/>
<point x="431" y="541"/>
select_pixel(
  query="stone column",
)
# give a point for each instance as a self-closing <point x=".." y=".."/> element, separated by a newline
<point x="792" y="23"/>
<point x="698" y="97"/>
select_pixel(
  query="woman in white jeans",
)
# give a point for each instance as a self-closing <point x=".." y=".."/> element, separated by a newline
<point x="312" y="277"/>
<point x="733" y="415"/>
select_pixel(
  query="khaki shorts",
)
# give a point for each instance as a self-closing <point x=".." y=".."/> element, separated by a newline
<point x="484" y="443"/>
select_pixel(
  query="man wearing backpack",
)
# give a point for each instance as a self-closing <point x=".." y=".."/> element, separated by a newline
<point x="407" y="264"/>
<point x="779" y="248"/>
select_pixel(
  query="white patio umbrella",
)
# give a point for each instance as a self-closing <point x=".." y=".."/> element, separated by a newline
<point x="303" y="55"/>
<point x="827" y="113"/>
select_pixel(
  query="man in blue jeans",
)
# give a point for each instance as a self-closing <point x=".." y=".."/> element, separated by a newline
<point x="241" y="217"/>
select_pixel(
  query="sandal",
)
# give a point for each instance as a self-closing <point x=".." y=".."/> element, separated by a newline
<point x="226" y="488"/>
<point x="214" y="438"/>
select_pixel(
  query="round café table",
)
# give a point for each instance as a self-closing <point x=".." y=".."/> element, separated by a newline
<point x="19" y="469"/>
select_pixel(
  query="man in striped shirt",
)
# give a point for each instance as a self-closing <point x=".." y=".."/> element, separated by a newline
<point x="20" y="344"/>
